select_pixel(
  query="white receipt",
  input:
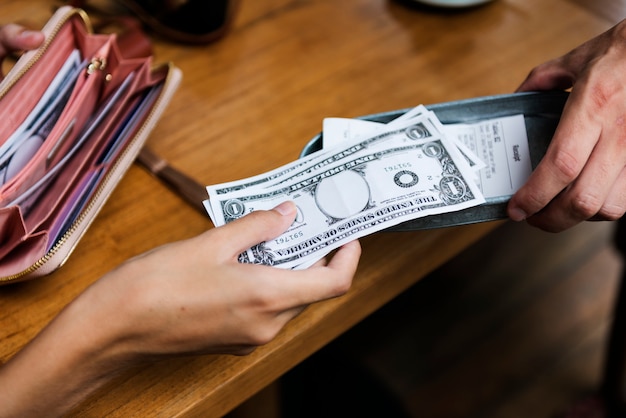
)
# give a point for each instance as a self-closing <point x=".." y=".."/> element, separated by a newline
<point x="501" y="144"/>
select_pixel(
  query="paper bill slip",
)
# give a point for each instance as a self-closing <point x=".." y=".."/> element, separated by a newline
<point x="500" y="143"/>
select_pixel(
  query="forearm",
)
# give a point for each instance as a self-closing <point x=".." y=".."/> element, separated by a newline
<point x="188" y="297"/>
<point x="70" y="359"/>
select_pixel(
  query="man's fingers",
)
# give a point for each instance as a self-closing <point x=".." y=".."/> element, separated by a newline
<point x="588" y="198"/>
<point x="548" y="76"/>
<point x="567" y="154"/>
<point x="614" y="206"/>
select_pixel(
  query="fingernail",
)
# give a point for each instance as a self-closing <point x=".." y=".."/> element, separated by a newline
<point x="285" y="208"/>
<point x="517" y="214"/>
<point x="27" y="33"/>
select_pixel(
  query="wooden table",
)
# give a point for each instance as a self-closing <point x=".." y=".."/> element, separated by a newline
<point x="249" y="103"/>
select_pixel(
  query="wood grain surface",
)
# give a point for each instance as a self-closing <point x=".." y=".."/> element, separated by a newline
<point x="250" y="103"/>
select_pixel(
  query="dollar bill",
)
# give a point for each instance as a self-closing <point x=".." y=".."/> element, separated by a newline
<point x="340" y="130"/>
<point x="496" y="148"/>
<point x="371" y="189"/>
<point x="417" y="127"/>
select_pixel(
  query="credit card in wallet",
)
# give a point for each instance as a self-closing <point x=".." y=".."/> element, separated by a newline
<point x="26" y="140"/>
<point x="28" y="198"/>
<point x="91" y="180"/>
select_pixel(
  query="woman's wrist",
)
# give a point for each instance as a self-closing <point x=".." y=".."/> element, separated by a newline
<point x="78" y="352"/>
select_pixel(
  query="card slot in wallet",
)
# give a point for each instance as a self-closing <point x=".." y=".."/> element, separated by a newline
<point x="79" y="107"/>
<point x="66" y="194"/>
<point x="37" y="68"/>
<point x="82" y="171"/>
<point x="102" y="159"/>
<point x="41" y="118"/>
<point x="51" y="202"/>
<point x="42" y="198"/>
<point x="21" y="98"/>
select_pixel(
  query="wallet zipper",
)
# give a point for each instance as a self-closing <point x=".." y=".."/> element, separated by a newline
<point x="103" y="186"/>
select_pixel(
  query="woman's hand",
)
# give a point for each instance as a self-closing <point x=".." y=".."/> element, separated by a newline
<point x="188" y="297"/>
<point x="14" y="37"/>
<point x="194" y="296"/>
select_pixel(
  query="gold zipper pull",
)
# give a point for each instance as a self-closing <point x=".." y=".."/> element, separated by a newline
<point x="96" y="64"/>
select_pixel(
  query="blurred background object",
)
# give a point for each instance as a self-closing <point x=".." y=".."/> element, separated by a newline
<point x="452" y="3"/>
<point x="189" y="22"/>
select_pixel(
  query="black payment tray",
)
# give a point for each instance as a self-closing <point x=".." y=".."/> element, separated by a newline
<point x="542" y="112"/>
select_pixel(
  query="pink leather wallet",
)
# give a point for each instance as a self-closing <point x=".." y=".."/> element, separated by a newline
<point x="76" y="112"/>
